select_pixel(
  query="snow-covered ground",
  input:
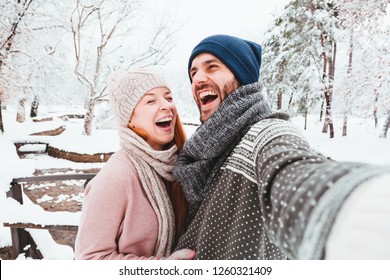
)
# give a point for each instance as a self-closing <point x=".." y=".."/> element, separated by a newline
<point x="361" y="144"/>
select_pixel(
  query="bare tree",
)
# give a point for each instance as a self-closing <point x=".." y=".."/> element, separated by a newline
<point x="34" y="107"/>
<point x="29" y="37"/>
<point x="1" y="115"/>
<point x="8" y="40"/>
<point x="100" y="26"/>
<point x="21" y="115"/>
<point x="15" y="13"/>
<point x="386" y="126"/>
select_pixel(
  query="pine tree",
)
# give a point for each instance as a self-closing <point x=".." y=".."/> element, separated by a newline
<point x="296" y="55"/>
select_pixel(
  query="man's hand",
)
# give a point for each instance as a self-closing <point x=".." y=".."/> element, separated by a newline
<point x="183" y="254"/>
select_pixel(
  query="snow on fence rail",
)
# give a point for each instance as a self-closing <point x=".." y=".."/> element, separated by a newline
<point x="23" y="216"/>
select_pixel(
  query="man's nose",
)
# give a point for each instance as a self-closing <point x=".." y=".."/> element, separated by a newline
<point x="199" y="77"/>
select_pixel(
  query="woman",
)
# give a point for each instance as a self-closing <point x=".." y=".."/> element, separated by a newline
<point x="130" y="206"/>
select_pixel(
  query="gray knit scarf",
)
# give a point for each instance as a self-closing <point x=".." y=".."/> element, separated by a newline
<point x="152" y="166"/>
<point x="209" y="147"/>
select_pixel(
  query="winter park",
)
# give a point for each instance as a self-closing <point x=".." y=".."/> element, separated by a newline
<point x="325" y="63"/>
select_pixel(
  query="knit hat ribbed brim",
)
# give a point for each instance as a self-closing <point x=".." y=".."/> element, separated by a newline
<point x="241" y="56"/>
<point x="127" y="88"/>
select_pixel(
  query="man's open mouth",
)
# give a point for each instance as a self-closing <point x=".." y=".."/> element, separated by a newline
<point x="207" y="97"/>
<point x="164" y="122"/>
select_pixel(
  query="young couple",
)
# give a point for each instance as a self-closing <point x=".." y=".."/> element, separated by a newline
<point x="246" y="185"/>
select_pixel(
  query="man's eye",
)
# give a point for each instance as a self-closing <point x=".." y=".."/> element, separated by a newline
<point x="150" y="102"/>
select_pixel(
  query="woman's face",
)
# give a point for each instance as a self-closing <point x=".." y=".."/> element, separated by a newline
<point x="156" y="114"/>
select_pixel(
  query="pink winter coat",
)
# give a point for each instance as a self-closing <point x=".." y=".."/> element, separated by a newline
<point x="117" y="220"/>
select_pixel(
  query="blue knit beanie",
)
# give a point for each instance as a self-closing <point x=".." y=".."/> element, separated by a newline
<point x="242" y="57"/>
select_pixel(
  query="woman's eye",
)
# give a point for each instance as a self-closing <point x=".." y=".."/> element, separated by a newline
<point x="150" y="102"/>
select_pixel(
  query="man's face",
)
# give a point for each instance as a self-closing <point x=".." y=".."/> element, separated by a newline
<point x="212" y="82"/>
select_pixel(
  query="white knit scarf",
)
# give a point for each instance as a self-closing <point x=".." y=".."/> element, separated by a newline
<point x="152" y="166"/>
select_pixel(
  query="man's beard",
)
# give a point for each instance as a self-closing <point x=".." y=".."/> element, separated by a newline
<point x="229" y="87"/>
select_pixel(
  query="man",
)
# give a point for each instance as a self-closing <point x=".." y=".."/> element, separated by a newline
<point x="254" y="187"/>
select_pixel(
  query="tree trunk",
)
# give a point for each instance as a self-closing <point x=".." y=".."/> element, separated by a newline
<point x="34" y="107"/>
<point x="328" y="113"/>
<point x="385" y="126"/>
<point x="332" y="68"/>
<point x="375" y="117"/>
<point x="1" y="119"/>
<point x="326" y="90"/>
<point x="290" y="100"/>
<point x="305" y="120"/>
<point x="326" y="122"/>
<point x="375" y="113"/>
<point x="349" y="70"/>
<point x="322" y="110"/>
<point x="345" y="121"/>
<point x="21" y="113"/>
<point x="88" y="118"/>
<point x="329" y="92"/>
<point x="279" y="99"/>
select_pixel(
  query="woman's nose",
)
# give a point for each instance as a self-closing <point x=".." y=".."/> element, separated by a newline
<point x="166" y="104"/>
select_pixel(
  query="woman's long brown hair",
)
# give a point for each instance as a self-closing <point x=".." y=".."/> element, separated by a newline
<point x="178" y="199"/>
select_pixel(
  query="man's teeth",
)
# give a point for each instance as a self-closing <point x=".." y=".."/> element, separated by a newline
<point x="207" y="93"/>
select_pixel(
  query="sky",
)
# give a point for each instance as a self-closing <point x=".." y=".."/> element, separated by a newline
<point x="245" y="18"/>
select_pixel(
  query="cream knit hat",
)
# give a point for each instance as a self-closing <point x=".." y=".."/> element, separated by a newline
<point x="127" y="88"/>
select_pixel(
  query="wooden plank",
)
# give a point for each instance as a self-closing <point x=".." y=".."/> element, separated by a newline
<point x="19" y="241"/>
<point x="55" y="177"/>
<point x="20" y="144"/>
<point x="15" y="192"/>
<point x="23" y="243"/>
<point x="33" y="250"/>
<point x="37" y="226"/>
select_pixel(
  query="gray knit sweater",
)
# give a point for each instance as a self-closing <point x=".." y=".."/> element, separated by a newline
<point x="273" y="198"/>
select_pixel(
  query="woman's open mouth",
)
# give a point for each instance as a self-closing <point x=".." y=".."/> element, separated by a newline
<point x="165" y="122"/>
